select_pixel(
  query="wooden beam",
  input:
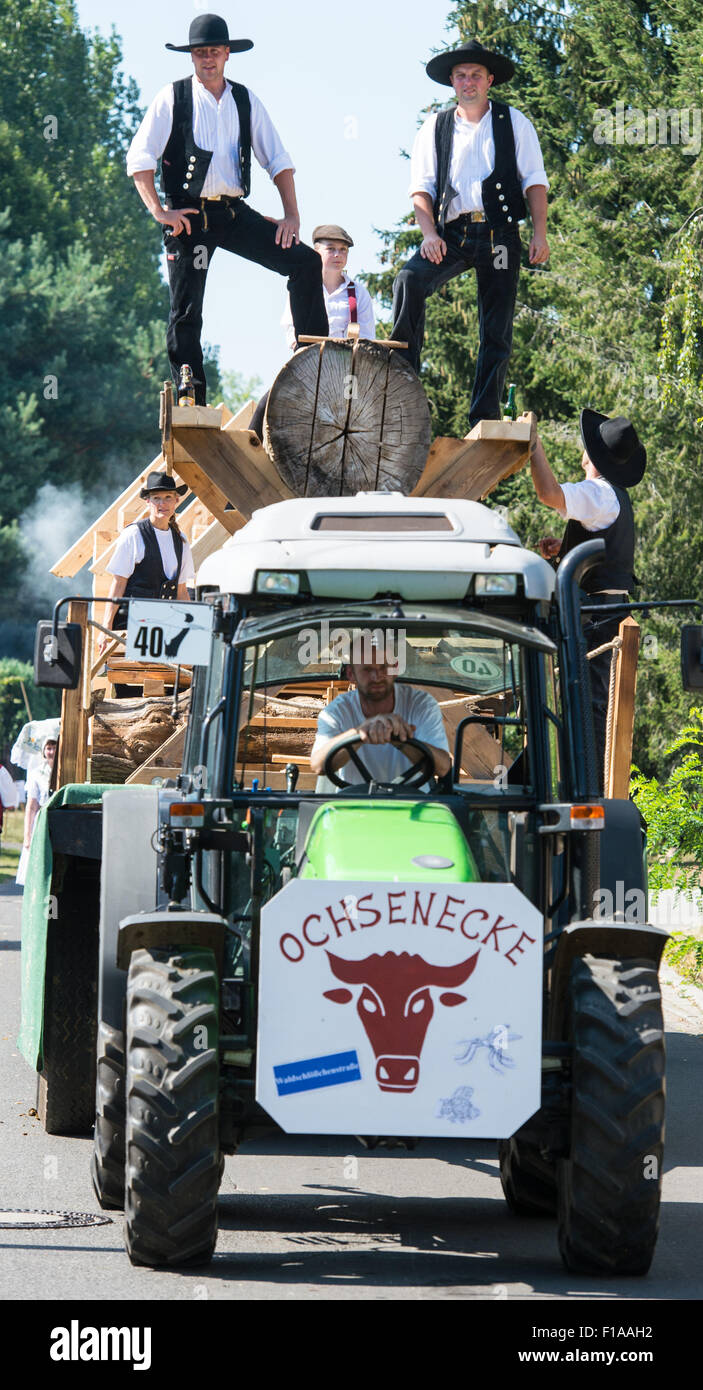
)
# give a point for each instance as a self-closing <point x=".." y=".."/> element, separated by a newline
<point x="234" y="464"/>
<point x="617" y="778"/>
<point x="202" y="485"/>
<point x="473" y="467"/>
<point x="73" y="741"/>
<point x="211" y="540"/>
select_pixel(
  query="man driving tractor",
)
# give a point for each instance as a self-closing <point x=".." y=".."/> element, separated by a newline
<point x="383" y="715"/>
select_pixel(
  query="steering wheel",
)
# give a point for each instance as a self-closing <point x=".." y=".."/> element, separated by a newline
<point x="414" y="776"/>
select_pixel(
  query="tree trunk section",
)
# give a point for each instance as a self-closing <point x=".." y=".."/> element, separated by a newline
<point x="345" y="418"/>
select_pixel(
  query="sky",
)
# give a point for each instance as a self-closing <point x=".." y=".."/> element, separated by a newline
<point x="344" y="84"/>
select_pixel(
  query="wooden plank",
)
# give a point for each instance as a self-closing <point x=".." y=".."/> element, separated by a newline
<point x="211" y="540"/>
<point x="242" y="419"/>
<point x="470" y="468"/>
<point x="73" y="741"/>
<point x="196" y="417"/>
<point x="168" y="754"/>
<point x="214" y="498"/>
<point x="234" y="464"/>
<point x="617" y="779"/>
<point x="513" y="430"/>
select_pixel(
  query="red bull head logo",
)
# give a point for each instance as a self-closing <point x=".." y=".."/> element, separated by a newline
<point x="395" y="1005"/>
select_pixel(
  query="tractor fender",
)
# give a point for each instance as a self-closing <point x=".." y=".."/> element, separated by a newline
<point x="129" y="883"/>
<point x="172" y="931"/>
<point x="616" y="940"/>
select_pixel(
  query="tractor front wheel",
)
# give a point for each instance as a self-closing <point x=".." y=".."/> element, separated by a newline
<point x="610" y="1185"/>
<point x="173" y="1160"/>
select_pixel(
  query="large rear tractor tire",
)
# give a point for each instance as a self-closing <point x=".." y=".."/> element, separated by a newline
<point x="107" y="1165"/>
<point x="528" y="1180"/>
<point x="173" y="1159"/>
<point x="610" y="1185"/>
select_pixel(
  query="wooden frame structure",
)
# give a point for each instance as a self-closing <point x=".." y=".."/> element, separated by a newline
<point x="229" y="476"/>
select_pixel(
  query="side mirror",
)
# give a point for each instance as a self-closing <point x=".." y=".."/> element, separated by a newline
<point x="57" y="660"/>
<point x="692" y="657"/>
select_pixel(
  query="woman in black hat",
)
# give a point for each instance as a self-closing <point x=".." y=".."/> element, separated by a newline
<point x="152" y="558"/>
<point x="597" y="508"/>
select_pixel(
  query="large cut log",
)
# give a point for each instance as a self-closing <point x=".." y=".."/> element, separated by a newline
<point x="346" y="417"/>
<point x="127" y="732"/>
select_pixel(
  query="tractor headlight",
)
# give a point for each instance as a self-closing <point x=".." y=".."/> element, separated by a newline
<point x="277" y="582"/>
<point x="495" y="584"/>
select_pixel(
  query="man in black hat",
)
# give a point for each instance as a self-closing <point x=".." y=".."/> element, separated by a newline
<point x="597" y="508"/>
<point x="473" y="166"/>
<point x="204" y="129"/>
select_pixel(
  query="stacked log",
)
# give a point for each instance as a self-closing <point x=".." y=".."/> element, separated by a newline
<point x="127" y="732"/>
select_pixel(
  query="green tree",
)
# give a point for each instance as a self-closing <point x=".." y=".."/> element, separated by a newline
<point x="44" y="704"/>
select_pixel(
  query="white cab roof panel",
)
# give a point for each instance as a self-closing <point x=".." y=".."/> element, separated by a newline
<point x="357" y="547"/>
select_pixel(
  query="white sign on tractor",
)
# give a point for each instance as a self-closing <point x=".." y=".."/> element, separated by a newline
<point x="390" y="1008"/>
<point x="169" y="633"/>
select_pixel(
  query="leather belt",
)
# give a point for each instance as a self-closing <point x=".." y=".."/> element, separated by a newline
<point x="469" y="217"/>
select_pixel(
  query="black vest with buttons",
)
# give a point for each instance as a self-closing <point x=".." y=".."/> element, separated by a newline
<point x="616" y="569"/>
<point x="148" y="578"/>
<point x="184" y="165"/>
<point x="501" y="191"/>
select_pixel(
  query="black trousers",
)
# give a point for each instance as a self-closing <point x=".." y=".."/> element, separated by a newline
<point x="597" y="632"/>
<point x="235" y="227"/>
<point x="496" y="260"/>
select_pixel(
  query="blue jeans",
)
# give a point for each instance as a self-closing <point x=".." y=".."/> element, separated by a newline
<point x="496" y="260"/>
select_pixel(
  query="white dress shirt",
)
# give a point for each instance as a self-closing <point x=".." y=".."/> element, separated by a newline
<point x="473" y="159"/>
<point x="338" y="316"/>
<point x="216" y="128"/>
<point x="129" y="552"/>
<point x="593" y="502"/>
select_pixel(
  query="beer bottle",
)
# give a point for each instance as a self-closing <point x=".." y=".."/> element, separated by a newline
<point x="510" y="406"/>
<point x="186" y="389"/>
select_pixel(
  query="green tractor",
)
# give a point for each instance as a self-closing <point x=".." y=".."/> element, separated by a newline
<point x="426" y="956"/>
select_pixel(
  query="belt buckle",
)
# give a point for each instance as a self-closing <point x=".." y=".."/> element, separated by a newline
<point x="477" y="216"/>
<point x="213" y="198"/>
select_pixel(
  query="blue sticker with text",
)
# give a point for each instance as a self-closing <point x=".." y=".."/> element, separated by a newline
<point x="316" y="1072"/>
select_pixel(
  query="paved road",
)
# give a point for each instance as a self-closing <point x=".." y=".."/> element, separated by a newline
<point x="327" y="1220"/>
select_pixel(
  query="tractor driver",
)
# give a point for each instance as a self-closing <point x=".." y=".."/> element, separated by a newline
<point x="380" y="711"/>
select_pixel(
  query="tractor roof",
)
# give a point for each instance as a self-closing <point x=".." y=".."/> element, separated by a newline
<point x="357" y="547"/>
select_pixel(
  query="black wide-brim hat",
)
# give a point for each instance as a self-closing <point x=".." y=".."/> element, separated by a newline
<point x="209" y="29"/>
<point x="614" y="447"/>
<point x="440" y="67"/>
<point x="161" y="482"/>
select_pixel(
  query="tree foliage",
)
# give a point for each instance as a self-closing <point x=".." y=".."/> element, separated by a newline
<point x="44" y="704"/>
<point x="591" y="327"/>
